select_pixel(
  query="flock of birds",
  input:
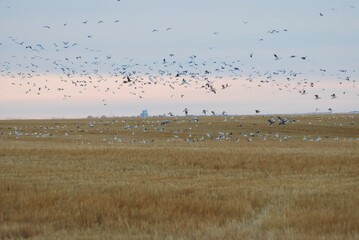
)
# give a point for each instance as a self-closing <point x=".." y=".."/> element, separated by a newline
<point x="176" y="129"/>
<point x="75" y="69"/>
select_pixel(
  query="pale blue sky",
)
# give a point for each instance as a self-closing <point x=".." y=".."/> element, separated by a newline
<point x="141" y="33"/>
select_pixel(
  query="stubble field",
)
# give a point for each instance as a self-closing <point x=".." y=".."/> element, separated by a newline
<point x="223" y="177"/>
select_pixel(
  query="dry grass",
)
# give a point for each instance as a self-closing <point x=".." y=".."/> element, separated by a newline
<point x="104" y="181"/>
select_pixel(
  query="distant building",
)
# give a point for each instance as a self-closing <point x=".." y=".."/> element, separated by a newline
<point x="144" y="114"/>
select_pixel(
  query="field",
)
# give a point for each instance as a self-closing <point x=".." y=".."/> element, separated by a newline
<point x="221" y="177"/>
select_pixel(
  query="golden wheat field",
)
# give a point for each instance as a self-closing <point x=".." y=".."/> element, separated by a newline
<point x="220" y="177"/>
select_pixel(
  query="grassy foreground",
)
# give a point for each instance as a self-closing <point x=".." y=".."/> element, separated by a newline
<point x="219" y="178"/>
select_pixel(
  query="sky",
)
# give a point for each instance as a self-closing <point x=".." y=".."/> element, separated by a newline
<point x="64" y="59"/>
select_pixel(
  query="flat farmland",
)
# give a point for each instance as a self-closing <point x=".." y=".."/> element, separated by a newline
<point x="205" y="177"/>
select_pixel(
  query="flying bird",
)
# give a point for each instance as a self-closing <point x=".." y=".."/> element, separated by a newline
<point x="186" y="111"/>
<point x="271" y="121"/>
<point x="283" y="121"/>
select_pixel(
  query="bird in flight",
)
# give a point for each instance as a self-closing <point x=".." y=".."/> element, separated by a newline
<point x="271" y="121"/>
<point x="276" y="57"/>
<point x="185" y="111"/>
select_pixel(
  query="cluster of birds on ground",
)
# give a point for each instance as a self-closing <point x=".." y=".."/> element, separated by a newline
<point x="95" y="70"/>
<point x="175" y="129"/>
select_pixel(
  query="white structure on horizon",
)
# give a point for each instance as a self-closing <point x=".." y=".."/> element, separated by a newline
<point x="144" y="114"/>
